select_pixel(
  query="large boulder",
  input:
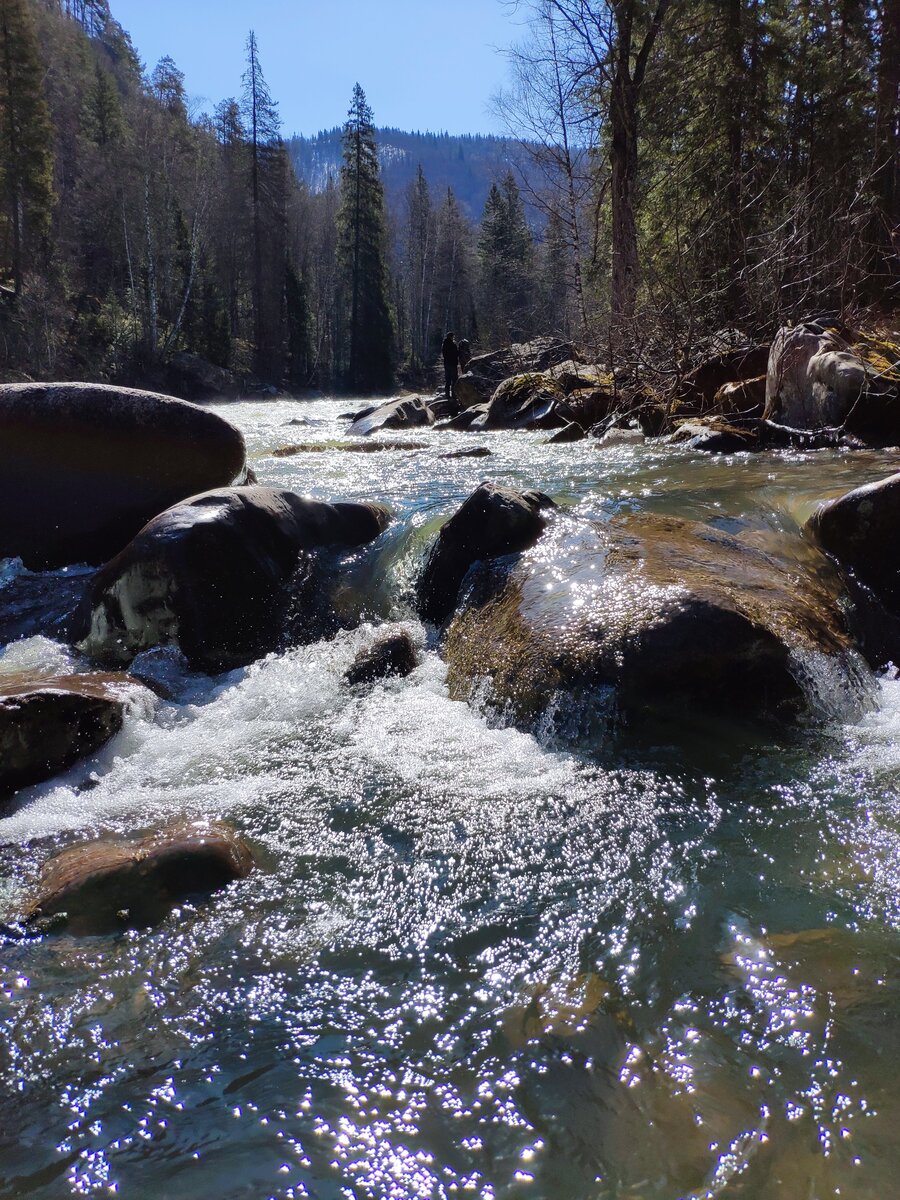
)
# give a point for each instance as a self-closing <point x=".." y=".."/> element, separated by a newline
<point x="493" y="521"/>
<point x="587" y="407"/>
<point x="412" y="413"/>
<point x="115" y="883"/>
<point x="193" y="377"/>
<point x="486" y="371"/>
<point x="859" y="530"/>
<point x="823" y="374"/>
<point x="84" y="466"/>
<point x="698" y="389"/>
<point x="572" y="376"/>
<point x="48" y="722"/>
<point x="649" y="614"/>
<point x="213" y="575"/>
<point x="520" y="402"/>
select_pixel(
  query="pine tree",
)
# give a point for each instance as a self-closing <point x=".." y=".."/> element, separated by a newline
<point x="419" y="265"/>
<point x="268" y="174"/>
<point x="555" y="277"/>
<point x="366" y="336"/>
<point x="26" y="162"/>
<point x="506" y="251"/>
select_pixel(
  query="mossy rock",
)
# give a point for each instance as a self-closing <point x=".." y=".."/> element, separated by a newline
<point x="648" y="614"/>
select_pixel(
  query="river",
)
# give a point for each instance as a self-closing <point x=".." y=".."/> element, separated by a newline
<point x="472" y="962"/>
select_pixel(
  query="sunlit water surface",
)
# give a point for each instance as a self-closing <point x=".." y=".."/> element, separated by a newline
<point x="470" y="963"/>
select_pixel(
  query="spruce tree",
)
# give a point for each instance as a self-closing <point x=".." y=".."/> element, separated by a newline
<point x="506" y="251"/>
<point x="26" y="161"/>
<point x="366" y="336"/>
<point x="268" y="181"/>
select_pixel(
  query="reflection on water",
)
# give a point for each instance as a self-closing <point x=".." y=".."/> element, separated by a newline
<point x="472" y="964"/>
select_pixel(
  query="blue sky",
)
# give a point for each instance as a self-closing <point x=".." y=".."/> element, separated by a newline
<point x="423" y="64"/>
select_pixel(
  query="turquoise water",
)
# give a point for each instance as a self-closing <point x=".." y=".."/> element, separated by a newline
<point x="471" y="963"/>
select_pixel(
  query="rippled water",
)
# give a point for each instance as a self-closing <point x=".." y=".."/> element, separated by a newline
<point x="471" y="964"/>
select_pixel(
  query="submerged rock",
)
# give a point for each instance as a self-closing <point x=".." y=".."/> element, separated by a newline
<point x="116" y="883"/>
<point x="649" y="614"/>
<point x="822" y="374"/>
<point x="48" y="722"/>
<point x="493" y="521"/>
<point x="212" y="575"/>
<point x="391" y="655"/>
<point x="84" y="466"/>
<point x="412" y="413"/>
<point x="475" y="452"/>
<point x="349" y="447"/>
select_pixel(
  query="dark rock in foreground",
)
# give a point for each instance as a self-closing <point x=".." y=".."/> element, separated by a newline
<point x="32" y="604"/>
<point x="48" y="722"/>
<point x="113" y="884"/>
<point x="493" y="521"/>
<point x="391" y="655"/>
<point x="84" y="466"/>
<point x="212" y="575"/>
<point x="650" y="614"/>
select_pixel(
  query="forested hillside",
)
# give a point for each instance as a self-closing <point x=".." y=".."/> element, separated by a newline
<point x="467" y="163"/>
<point x="692" y="165"/>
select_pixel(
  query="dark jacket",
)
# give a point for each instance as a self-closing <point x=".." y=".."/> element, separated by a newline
<point x="450" y="352"/>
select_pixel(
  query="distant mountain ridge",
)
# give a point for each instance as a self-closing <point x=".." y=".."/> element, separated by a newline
<point x="468" y="163"/>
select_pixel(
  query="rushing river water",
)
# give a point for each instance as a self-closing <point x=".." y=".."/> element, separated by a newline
<point x="471" y="963"/>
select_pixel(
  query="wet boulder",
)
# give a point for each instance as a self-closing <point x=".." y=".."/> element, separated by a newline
<point x="521" y="402"/>
<point x="744" y="398"/>
<point x="493" y="521"/>
<point x="47" y="723"/>
<point x="858" y="531"/>
<point x="84" y="466"/>
<point x="824" y="374"/>
<point x="112" y="883"/>
<point x="215" y="576"/>
<point x="33" y="604"/>
<point x="412" y="413"/>
<point x="654" y="615"/>
<point x="393" y="655"/>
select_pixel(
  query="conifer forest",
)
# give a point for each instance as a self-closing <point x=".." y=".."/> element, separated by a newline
<point x="674" y="167"/>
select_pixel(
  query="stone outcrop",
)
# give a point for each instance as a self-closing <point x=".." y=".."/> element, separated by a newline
<point x="116" y="883"/>
<point x="84" y="466"/>
<point x="493" y="521"/>
<point x="698" y="389"/>
<point x="213" y="575"/>
<point x="47" y="723"/>
<point x="649" y="614"/>
<point x="822" y="374"/>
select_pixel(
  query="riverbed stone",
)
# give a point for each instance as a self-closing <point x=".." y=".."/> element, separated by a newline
<point x="493" y="521"/>
<point x="214" y="575"/>
<point x="110" y="884"/>
<point x="860" y="530"/>
<point x="393" y="655"/>
<point x="407" y="413"/>
<point x="84" y="466"/>
<point x="644" y="615"/>
<point x="47" y="723"/>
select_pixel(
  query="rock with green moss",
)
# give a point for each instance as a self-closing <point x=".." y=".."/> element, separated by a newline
<point x="651" y="614"/>
<point x="521" y="402"/>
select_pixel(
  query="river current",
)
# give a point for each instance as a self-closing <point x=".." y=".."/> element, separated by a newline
<point x="471" y="962"/>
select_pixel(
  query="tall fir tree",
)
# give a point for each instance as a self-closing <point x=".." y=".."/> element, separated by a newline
<point x="26" y="138"/>
<point x="506" y="252"/>
<point x="366" y="336"/>
<point x="268" y="181"/>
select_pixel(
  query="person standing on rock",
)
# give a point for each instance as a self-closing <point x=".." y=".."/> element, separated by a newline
<point x="450" y="353"/>
<point x="464" y="355"/>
